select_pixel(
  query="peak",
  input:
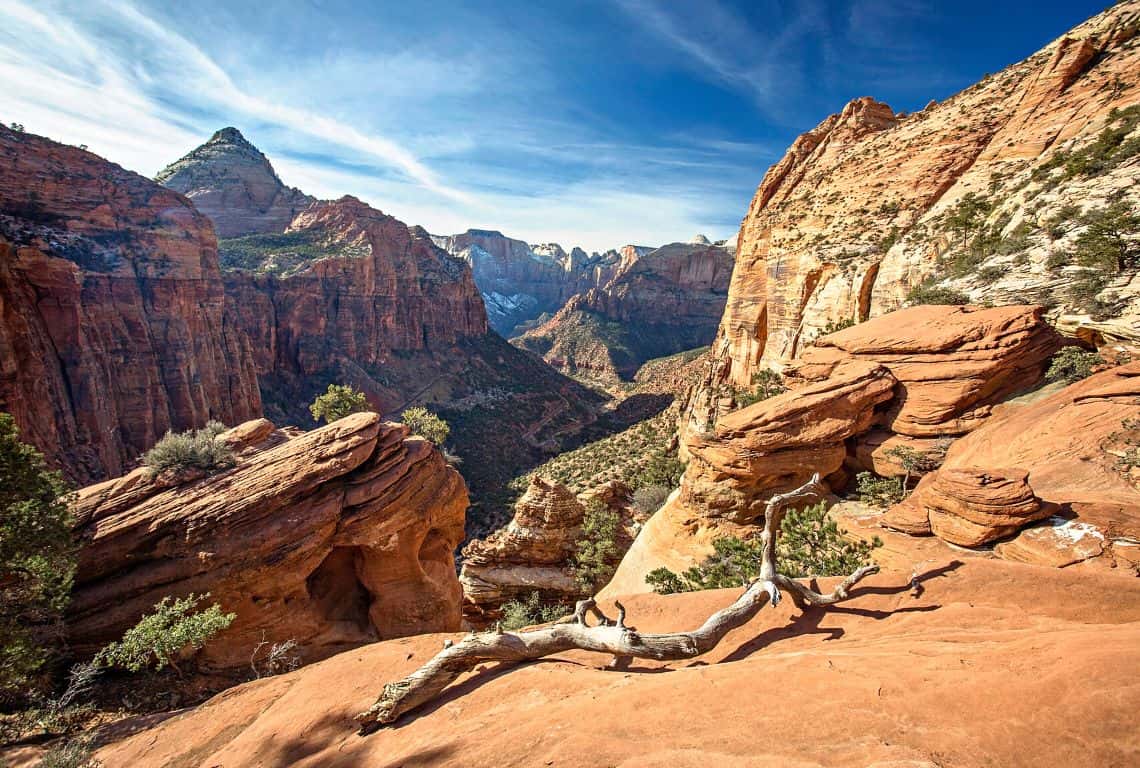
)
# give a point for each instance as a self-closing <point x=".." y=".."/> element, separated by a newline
<point x="700" y="240"/>
<point x="228" y="135"/>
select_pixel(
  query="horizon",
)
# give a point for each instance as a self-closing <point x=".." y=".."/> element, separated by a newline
<point x="637" y="122"/>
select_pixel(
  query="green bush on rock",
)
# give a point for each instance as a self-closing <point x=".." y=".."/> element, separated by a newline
<point x="193" y="449"/>
<point x="338" y="401"/>
<point x="426" y="424"/>
<point x="160" y="638"/>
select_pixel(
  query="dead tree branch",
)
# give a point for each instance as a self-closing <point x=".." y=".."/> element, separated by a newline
<point x="609" y="636"/>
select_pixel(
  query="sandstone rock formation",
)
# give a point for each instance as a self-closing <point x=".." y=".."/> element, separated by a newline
<point x="952" y="363"/>
<point x="531" y="554"/>
<point x="866" y="206"/>
<point x="230" y="181"/>
<point x="892" y="695"/>
<point x="656" y="304"/>
<point x="333" y="538"/>
<point x="521" y="282"/>
<point x="112" y="328"/>
<point x="1065" y="444"/>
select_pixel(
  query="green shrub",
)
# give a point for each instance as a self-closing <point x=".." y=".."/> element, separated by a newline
<point x="37" y="561"/>
<point x="1111" y="148"/>
<point x="649" y="498"/>
<point x="766" y="382"/>
<point x="1108" y="242"/>
<point x="662" y="469"/>
<point x="338" y="401"/>
<point x="530" y="611"/>
<point x="1057" y="259"/>
<point x="879" y="491"/>
<point x="927" y="292"/>
<point x="78" y="752"/>
<point x="836" y="327"/>
<point x="193" y="449"/>
<point x="810" y="544"/>
<point x="426" y="424"/>
<point x="595" y="557"/>
<point x="161" y="637"/>
<point x="1072" y="364"/>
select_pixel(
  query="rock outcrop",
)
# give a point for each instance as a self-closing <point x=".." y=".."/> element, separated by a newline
<point x="229" y="180"/>
<point x="1068" y="445"/>
<point x="332" y="538"/>
<point x="531" y="554"/>
<point x="655" y="304"/>
<point x="974" y="194"/>
<point x="112" y="329"/>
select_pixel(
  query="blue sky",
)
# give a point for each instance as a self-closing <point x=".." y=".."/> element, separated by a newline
<point x="592" y="123"/>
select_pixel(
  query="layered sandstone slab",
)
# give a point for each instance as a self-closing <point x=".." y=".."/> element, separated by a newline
<point x="952" y="363"/>
<point x="778" y="443"/>
<point x="971" y="507"/>
<point x="1068" y="447"/>
<point x="229" y="180"/>
<point x="112" y="329"/>
<point x="333" y="538"/>
<point x="937" y="676"/>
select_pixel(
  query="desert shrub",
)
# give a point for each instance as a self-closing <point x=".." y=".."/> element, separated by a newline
<point x="174" y="628"/>
<point x="192" y="449"/>
<point x="1057" y="259"/>
<point x="989" y="274"/>
<point x="37" y="561"/>
<point x="78" y="752"/>
<point x="879" y="491"/>
<point x="1108" y="242"/>
<point x="1128" y="438"/>
<point x="836" y="327"/>
<point x="1072" y="364"/>
<point x="426" y="424"/>
<point x="1110" y="148"/>
<point x="927" y="292"/>
<point x="661" y="469"/>
<point x="529" y="611"/>
<point x="915" y="462"/>
<point x="766" y="383"/>
<point x="270" y="659"/>
<point x="595" y="557"/>
<point x="1084" y="290"/>
<point x="338" y="401"/>
<point x="649" y="498"/>
<point x="810" y="544"/>
<point x="968" y="214"/>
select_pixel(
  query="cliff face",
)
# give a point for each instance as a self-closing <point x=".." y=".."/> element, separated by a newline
<point x="985" y="194"/>
<point x="333" y="538"/>
<point x="520" y="282"/>
<point x="112" y="328"/>
<point x="655" y="304"/>
<point x="230" y="181"/>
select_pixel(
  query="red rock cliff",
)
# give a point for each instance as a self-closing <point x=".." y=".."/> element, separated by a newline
<point x="111" y="310"/>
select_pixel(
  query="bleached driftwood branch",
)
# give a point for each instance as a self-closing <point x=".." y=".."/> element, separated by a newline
<point x="611" y="636"/>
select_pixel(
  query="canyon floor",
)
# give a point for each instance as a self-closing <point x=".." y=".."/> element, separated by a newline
<point x="946" y="658"/>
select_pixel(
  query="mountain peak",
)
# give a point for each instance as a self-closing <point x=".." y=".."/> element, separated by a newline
<point x="228" y="135"/>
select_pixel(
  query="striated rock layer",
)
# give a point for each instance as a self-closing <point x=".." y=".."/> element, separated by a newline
<point x="333" y="538"/>
<point x="229" y="180"/>
<point x="859" y="210"/>
<point x="112" y="329"/>
<point x="655" y="304"/>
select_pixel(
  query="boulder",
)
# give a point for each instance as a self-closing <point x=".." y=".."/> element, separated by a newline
<point x="332" y="538"/>
<point x="971" y="507"/>
<point x="778" y="443"/>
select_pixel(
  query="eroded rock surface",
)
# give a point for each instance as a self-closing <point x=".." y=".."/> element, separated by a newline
<point x="332" y="538"/>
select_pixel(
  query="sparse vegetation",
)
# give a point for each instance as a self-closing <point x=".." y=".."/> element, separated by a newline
<point x="280" y="254"/>
<point x="649" y="498"/>
<point x="879" y="491"/>
<point x="766" y="383"/>
<point x="929" y="292"/>
<point x="837" y="326"/>
<point x="917" y="462"/>
<point x="1110" y="148"/>
<point x="1109" y="240"/>
<point x="530" y="611"/>
<point x="338" y="401"/>
<point x="1072" y="364"/>
<point x="78" y="752"/>
<point x="810" y="544"/>
<point x="270" y="659"/>
<point x="37" y="562"/>
<point x="1128" y="440"/>
<point x="161" y="638"/>
<point x="595" y="558"/>
<point x="426" y="424"/>
<point x="194" y="449"/>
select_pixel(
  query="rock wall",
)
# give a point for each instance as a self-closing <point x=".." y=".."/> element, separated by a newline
<point x="112" y="328"/>
<point x="333" y="538"/>
<point x="229" y="180"/>
<point x="656" y="304"/>
<point x="859" y="210"/>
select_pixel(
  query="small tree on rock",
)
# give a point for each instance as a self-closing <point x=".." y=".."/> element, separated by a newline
<point x="174" y="628"/>
<point x="426" y="424"/>
<point x="338" y="401"/>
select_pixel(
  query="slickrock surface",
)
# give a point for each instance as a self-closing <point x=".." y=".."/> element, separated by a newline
<point x="857" y="213"/>
<point x="112" y="328"/>
<point x="230" y="181"/>
<point x="655" y="304"/>
<point x="960" y="671"/>
<point x="333" y="538"/>
<point x="777" y="444"/>
<point x="952" y="363"/>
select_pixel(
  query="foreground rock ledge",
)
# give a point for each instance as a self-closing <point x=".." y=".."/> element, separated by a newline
<point x="333" y="538"/>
